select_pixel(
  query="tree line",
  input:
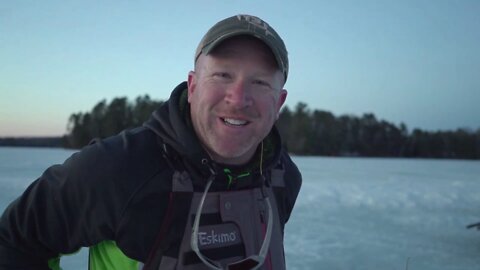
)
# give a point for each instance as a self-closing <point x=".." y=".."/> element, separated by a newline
<point x="33" y="141"/>
<point x="304" y="132"/>
<point x="108" y="119"/>
<point x="317" y="132"/>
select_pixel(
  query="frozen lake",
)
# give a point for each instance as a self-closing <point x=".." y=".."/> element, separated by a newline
<point x="352" y="213"/>
<point x="359" y="213"/>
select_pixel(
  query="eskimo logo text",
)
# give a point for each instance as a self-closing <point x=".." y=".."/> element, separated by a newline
<point x="213" y="238"/>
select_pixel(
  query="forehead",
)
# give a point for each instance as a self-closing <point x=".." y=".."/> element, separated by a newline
<point x="244" y="44"/>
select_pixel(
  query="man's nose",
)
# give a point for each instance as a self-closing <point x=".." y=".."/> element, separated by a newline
<point x="238" y="94"/>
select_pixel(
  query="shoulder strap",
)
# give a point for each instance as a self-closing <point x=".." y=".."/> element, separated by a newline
<point x="171" y="231"/>
<point x="277" y="180"/>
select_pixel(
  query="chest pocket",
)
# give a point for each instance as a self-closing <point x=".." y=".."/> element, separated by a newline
<point x="232" y="227"/>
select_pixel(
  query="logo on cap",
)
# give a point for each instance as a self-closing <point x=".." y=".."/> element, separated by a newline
<point x="256" y="22"/>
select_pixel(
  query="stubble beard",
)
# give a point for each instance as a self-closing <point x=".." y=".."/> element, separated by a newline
<point x="225" y="149"/>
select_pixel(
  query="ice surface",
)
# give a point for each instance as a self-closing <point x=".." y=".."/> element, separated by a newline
<point x="360" y="213"/>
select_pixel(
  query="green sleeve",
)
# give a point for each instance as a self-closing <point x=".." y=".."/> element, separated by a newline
<point x="54" y="263"/>
<point x="107" y="256"/>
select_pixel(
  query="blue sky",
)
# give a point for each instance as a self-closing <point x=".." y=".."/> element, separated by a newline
<point x="416" y="62"/>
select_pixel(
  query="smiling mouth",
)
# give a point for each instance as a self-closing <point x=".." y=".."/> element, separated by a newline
<point x="234" y="122"/>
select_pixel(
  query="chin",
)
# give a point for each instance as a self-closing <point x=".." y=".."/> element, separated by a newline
<point x="234" y="154"/>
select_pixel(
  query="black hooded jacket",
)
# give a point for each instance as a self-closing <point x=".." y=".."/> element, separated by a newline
<point x="118" y="189"/>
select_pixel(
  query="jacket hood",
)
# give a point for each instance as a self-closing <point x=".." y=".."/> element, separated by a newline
<point x="171" y="122"/>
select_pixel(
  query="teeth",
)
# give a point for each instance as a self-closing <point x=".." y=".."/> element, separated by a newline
<point x="234" y="122"/>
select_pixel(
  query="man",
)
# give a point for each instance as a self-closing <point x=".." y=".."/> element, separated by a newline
<point x="204" y="184"/>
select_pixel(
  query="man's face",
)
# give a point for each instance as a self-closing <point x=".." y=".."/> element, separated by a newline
<point x="235" y="94"/>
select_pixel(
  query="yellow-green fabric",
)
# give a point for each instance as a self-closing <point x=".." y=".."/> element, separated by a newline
<point x="107" y="256"/>
<point x="54" y="263"/>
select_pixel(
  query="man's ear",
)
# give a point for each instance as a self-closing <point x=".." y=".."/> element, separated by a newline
<point x="281" y="100"/>
<point x="191" y="83"/>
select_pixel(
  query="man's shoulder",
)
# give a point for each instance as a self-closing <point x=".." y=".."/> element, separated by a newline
<point x="289" y="165"/>
<point x="140" y="138"/>
<point x="129" y="151"/>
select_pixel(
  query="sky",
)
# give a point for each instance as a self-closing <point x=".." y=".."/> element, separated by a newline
<point x="411" y="62"/>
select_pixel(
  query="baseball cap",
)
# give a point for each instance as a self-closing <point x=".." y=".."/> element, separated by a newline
<point x="245" y="25"/>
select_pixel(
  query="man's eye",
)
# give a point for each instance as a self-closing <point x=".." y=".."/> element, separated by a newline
<point x="261" y="83"/>
<point x="222" y="75"/>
